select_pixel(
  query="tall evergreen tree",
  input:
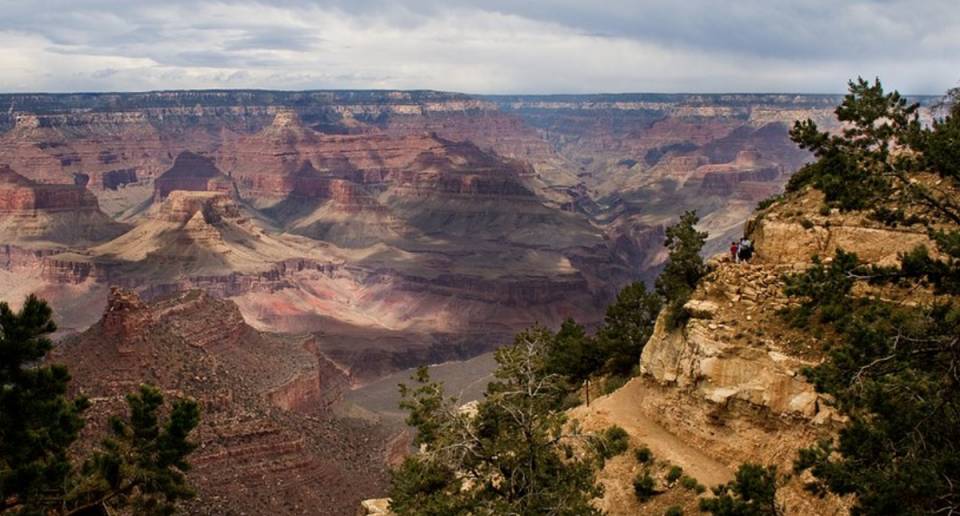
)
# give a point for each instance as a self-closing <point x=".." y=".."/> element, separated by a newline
<point x="684" y="267"/>
<point x="516" y="455"/>
<point x="573" y="354"/>
<point x="891" y="367"/>
<point x="38" y="423"/>
<point x="627" y="326"/>
<point x="140" y="467"/>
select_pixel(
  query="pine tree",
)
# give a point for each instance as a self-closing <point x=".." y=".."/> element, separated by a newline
<point x="38" y="423"/>
<point x="139" y="467"/>
<point x="627" y="326"/>
<point x="517" y="455"/>
<point x="684" y="267"/>
<point x="573" y="354"/>
<point x="753" y="492"/>
<point x="891" y="368"/>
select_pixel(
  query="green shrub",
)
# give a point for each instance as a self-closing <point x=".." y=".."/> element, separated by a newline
<point x="689" y="482"/>
<point x="806" y="223"/>
<point x="615" y="441"/>
<point x="643" y="455"/>
<point x="674" y="510"/>
<point x="766" y="203"/>
<point x="612" y="383"/>
<point x="644" y="486"/>
<point x="674" y="474"/>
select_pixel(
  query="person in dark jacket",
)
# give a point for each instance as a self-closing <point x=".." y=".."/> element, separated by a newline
<point x="745" y="250"/>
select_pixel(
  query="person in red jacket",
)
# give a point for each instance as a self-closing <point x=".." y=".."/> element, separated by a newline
<point x="734" y="250"/>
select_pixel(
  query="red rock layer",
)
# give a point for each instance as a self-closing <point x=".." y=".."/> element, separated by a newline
<point x="192" y="172"/>
<point x="267" y="444"/>
<point x="18" y="193"/>
<point x="739" y="177"/>
<point x="35" y="214"/>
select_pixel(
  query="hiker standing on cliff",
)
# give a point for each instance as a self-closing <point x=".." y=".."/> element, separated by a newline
<point x="734" y="249"/>
<point x="745" y="250"/>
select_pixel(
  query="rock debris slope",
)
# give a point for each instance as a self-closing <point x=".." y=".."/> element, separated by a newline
<point x="267" y="441"/>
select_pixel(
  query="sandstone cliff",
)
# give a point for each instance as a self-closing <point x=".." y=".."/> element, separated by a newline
<point x="727" y="387"/>
<point x="34" y="214"/>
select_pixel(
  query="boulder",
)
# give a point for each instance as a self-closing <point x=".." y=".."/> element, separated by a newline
<point x="375" y="506"/>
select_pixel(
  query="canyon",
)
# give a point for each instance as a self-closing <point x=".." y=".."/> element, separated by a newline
<point x="407" y="213"/>
<point x="267" y="252"/>
<point x="268" y="441"/>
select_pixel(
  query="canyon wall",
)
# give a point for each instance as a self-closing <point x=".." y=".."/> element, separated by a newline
<point x="421" y="212"/>
<point x="727" y="386"/>
<point x="267" y="442"/>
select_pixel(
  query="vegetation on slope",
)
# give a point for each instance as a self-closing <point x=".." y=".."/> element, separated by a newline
<point x="139" y="467"/>
<point x="515" y="455"/>
<point x="518" y="454"/>
<point x="752" y="493"/>
<point x="893" y="363"/>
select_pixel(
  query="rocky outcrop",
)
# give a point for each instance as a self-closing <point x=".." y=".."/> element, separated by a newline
<point x="799" y="229"/>
<point x="41" y="214"/>
<point x="181" y="206"/>
<point x="462" y="170"/>
<point x="191" y="172"/>
<point x="726" y="386"/>
<point x="736" y="346"/>
<point x="375" y="507"/>
<point x="723" y="354"/>
<point x="728" y="383"/>
<point x="267" y="443"/>
<point x="126" y="321"/>
<point x="18" y="194"/>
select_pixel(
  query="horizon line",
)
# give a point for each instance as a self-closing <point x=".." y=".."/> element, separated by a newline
<point x="429" y="90"/>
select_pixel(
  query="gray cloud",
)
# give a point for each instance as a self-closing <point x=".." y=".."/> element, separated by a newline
<point x="480" y="45"/>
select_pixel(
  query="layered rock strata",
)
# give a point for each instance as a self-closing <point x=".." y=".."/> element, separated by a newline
<point x="727" y="385"/>
<point x="267" y="443"/>
<point x="37" y="214"/>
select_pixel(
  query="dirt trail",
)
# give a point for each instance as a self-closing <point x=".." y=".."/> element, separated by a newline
<point x="623" y="408"/>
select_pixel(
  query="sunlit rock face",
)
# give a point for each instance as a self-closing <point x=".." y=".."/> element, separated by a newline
<point x="37" y="214"/>
<point x="443" y="221"/>
<point x="727" y="385"/>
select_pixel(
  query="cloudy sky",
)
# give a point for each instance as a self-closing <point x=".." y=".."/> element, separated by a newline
<point x="493" y="46"/>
